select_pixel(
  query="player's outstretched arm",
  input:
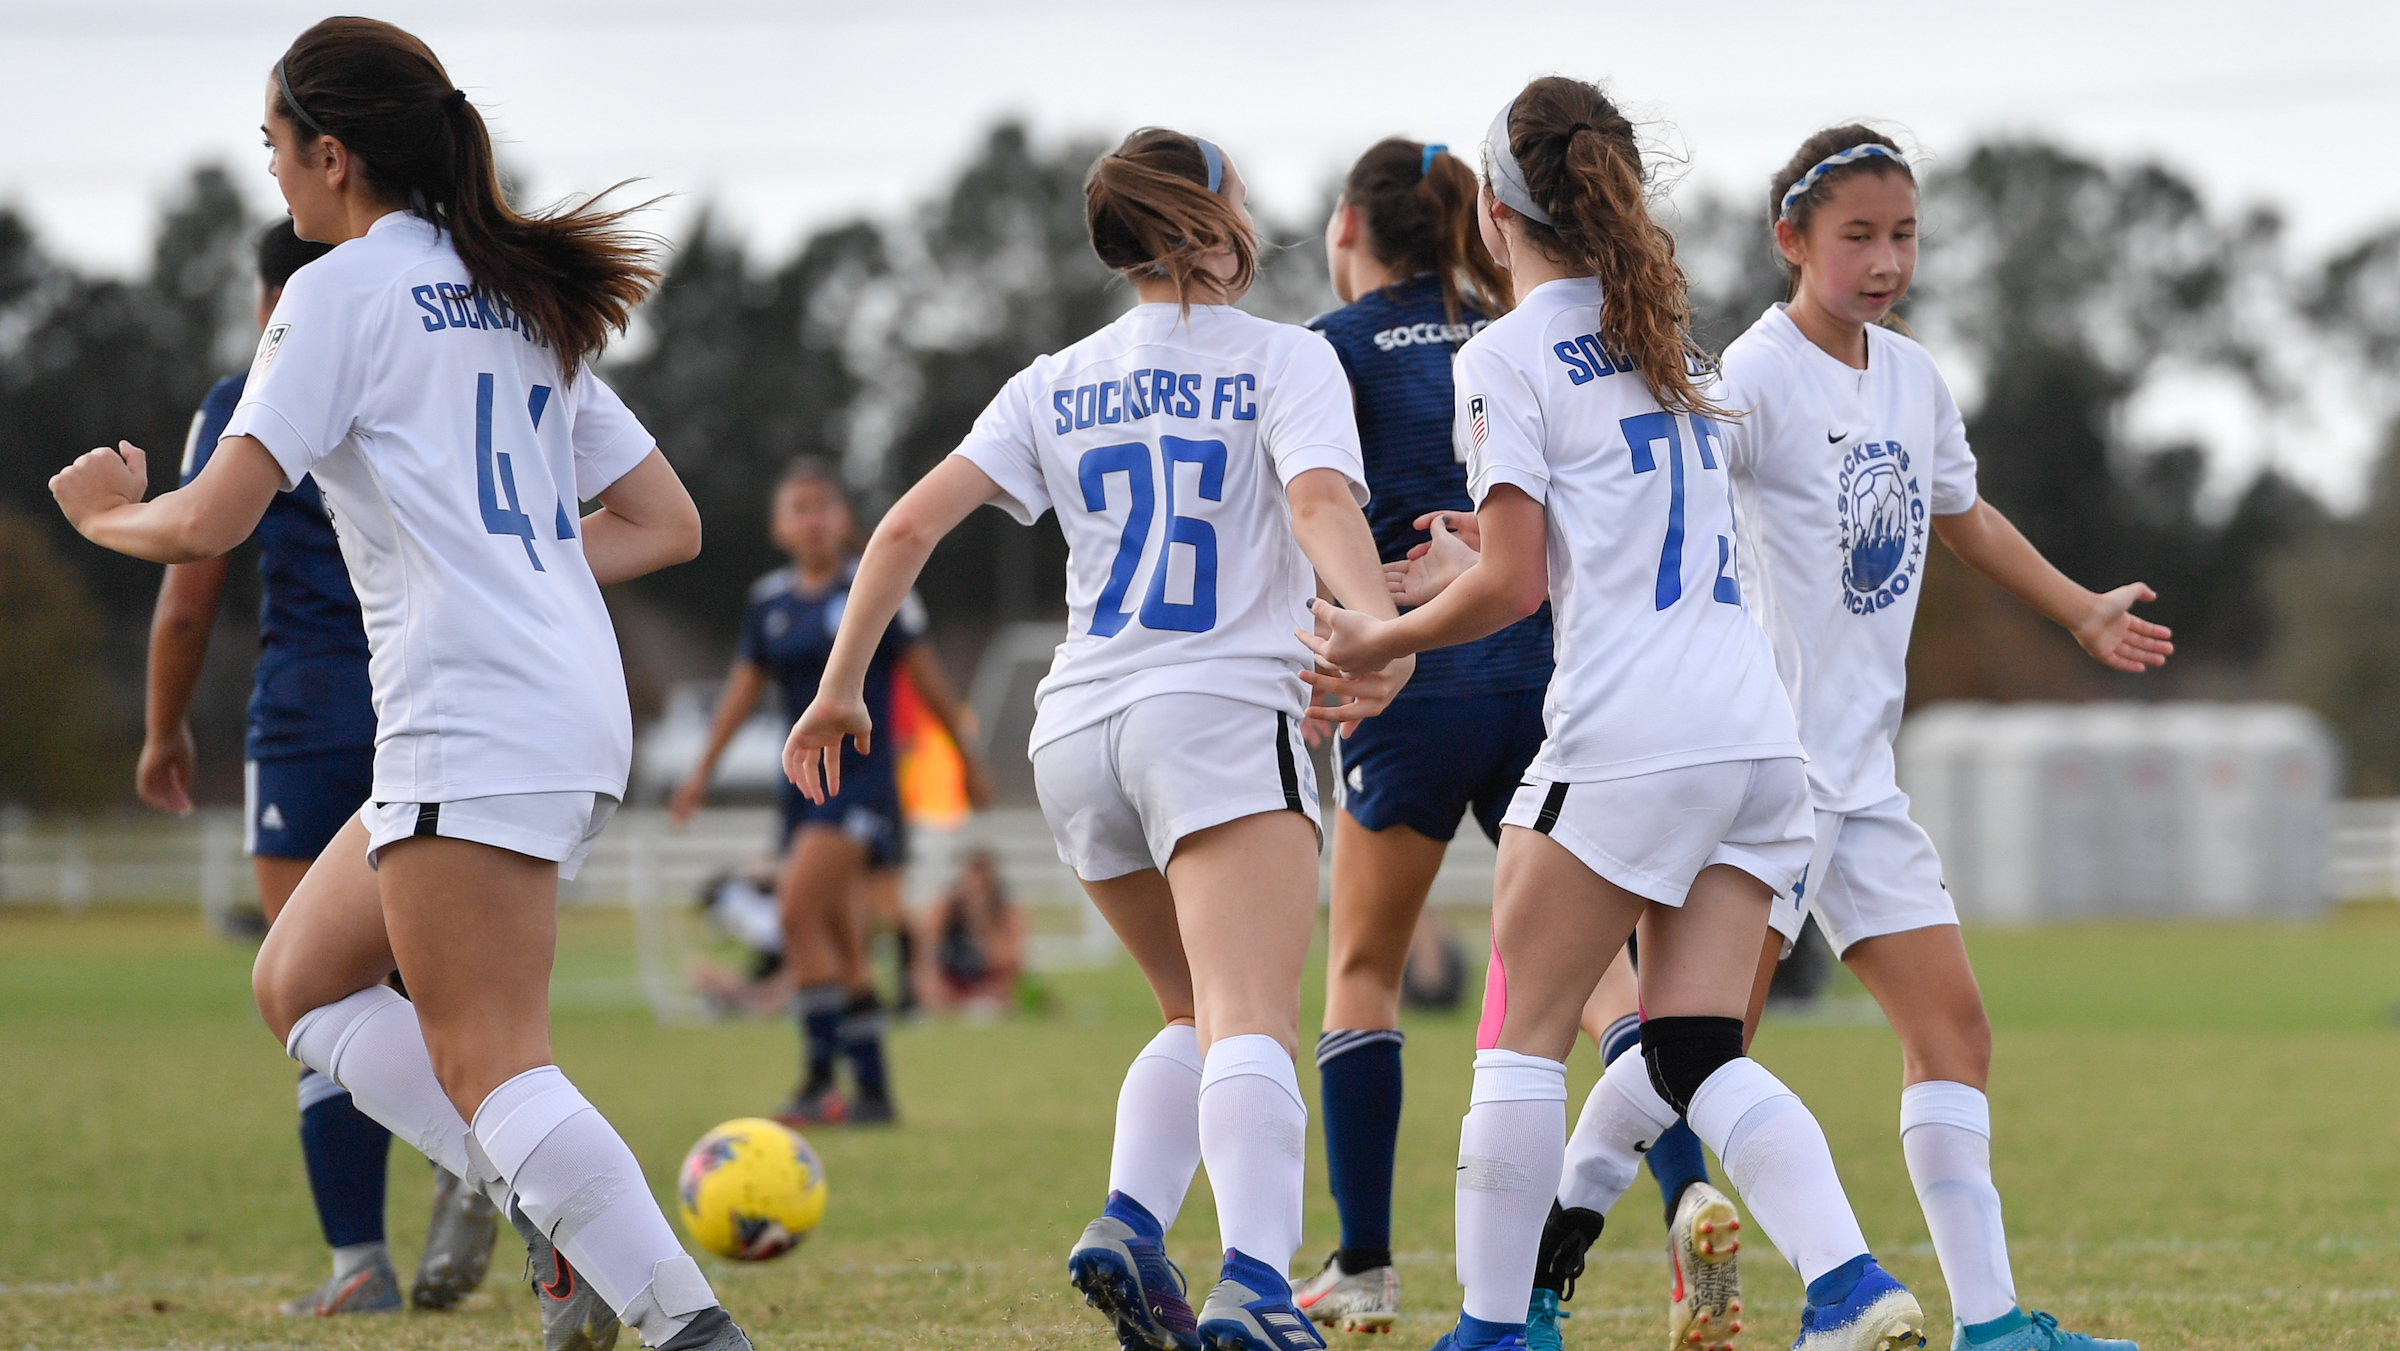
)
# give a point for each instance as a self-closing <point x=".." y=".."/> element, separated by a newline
<point x="1509" y="582"/>
<point x="1333" y="533"/>
<point x="743" y="684"/>
<point x="895" y="555"/>
<point x="2103" y="622"/>
<point x="101" y="494"/>
<point x="646" y="521"/>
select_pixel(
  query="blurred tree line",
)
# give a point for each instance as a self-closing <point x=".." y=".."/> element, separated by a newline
<point x="2058" y="289"/>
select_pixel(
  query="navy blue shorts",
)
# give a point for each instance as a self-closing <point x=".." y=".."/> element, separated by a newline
<point x="1422" y="763"/>
<point x="866" y="812"/>
<point x="293" y="804"/>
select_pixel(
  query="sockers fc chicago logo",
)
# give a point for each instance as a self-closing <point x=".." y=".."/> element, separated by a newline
<point x="1883" y="525"/>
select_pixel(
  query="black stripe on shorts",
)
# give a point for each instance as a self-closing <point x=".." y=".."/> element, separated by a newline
<point x="1555" y="799"/>
<point x="1285" y="766"/>
<point x="429" y="818"/>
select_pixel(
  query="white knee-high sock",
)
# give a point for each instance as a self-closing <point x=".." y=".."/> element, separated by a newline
<point x="1776" y="1155"/>
<point x="1253" y="1128"/>
<point x="1946" y="1134"/>
<point x="370" y="1044"/>
<point x="1509" y="1149"/>
<point x="1621" y="1117"/>
<point x="1157" y="1147"/>
<point x="573" y="1176"/>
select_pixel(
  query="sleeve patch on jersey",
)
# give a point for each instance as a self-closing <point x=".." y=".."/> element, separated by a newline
<point x="268" y="344"/>
<point x="1476" y="424"/>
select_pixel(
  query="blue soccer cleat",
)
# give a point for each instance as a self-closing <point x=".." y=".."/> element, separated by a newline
<point x="1473" y="1334"/>
<point x="1857" y="1306"/>
<point x="1251" y="1309"/>
<point x="1120" y="1264"/>
<point x="2019" y="1330"/>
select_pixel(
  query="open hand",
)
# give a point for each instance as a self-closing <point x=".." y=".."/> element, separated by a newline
<point x="100" y="480"/>
<point x="162" y="777"/>
<point x="1356" y="698"/>
<point x="1432" y="566"/>
<point x="2118" y="638"/>
<point x="812" y="757"/>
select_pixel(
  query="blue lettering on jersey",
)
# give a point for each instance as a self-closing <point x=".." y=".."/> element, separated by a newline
<point x="1135" y="396"/>
<point x="1882" y="513"/>
<point x="460" y="305"/>
<point x="1586" y="360"/>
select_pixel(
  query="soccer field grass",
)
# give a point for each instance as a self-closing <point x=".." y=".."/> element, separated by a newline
<point x="2198" y="1139"/>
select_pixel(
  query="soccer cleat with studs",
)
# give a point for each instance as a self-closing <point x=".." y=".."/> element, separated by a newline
<point x="1251" y="1309"/>
<point x="2028" y="1330"/>
<point x="458" y="1243"/>
<point x="1120" y="1264"/>
<point x="1864" y="1309"/>
<point x="373" y="1288"/>
<point x="1354" y="1301"/>
<point x="574" y="1317"/>
<point x="1704" y="1307"/>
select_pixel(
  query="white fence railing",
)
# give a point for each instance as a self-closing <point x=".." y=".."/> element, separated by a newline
<point x="2362" y="849"/>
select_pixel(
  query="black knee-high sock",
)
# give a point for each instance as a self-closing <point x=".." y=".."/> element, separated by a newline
<point x="820" y="1009"/>
<point x="862" y="1041"/>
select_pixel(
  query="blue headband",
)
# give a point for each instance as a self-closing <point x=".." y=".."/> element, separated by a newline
<point x="1425" y="165"/>
<point x="1835" y="161"/>
<point x="1216" y="163"/>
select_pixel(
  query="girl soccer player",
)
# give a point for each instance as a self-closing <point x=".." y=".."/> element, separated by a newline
<point x="1201" y="462"/>
<point x="431" y="374"/>
<point x="309" y="760"/>
<point x="830" y="850"/>
<point x="1851" y="449"/>
<point x="1669" y="790"/>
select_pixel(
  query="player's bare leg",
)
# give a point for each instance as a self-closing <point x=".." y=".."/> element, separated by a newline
<point x="815" y="891"/>
<point x="1380" y="881"/>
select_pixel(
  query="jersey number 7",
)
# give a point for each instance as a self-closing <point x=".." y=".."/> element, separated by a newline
<point x="1132" y="459"/>
<point x="1640" y="434"/>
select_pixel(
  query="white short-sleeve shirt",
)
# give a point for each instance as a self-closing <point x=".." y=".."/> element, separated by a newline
<point x="452" y="454"/>
<point x="1659" y="663"/>
<point x="1837" y="473"/>
<point x="1164" y="444"/>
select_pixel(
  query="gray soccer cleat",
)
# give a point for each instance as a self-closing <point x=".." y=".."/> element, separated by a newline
<point x="1354" y="1301"/>
<point x="458" y="1243"/>
<point x="712" y="1329"/>
<point x="374" y="1288"/>
<point x="574" y="1317"/>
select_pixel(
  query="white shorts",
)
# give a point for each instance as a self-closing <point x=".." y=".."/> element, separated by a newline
<point x="1652" y="833"/>
<point x="560" y="827"/>
<point x="1874" y="872"/>
<point x="1120" y="793"/>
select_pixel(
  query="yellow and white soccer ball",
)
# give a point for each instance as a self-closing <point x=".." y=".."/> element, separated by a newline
<point x="751" y="1189"/>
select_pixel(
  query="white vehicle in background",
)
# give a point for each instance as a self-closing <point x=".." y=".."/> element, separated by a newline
<point x="666" y="748"/>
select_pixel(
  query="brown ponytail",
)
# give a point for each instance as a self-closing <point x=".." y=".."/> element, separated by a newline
<point x="1584" y="167"/>
<point x="1420" y="215"/>
<point x="1148" y="207"/>
<point x="574" y="274"/>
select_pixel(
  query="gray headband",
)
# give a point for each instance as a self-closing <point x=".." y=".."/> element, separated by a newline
<point x="1502" y="173"/>
<point x="292" y="105"/>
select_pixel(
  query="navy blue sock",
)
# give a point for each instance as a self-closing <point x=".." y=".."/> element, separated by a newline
<point x="820" y="1008"/>
<point x="1359" y="1074"/>
<point x="347" y="1152"/>
<point x="1619" y="1037"/>
<point x="1677" y="1163"/>
<point x="862" y="1042"/>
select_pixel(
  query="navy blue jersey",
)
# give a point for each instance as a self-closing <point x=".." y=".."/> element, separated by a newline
<point x="1396" y="345"/>
<point x="309" y="692"/>
<point x="790" y="636"/>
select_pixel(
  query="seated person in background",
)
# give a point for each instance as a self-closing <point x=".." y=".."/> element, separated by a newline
<point x="973" y="942"/>
<point x="741" y="905"/>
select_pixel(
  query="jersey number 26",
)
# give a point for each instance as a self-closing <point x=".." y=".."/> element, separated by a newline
<point x="1132" y="459"/>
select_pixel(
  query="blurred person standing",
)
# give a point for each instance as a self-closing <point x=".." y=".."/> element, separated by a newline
<point x="842" y="856"/>
<point x="308" y="762"/>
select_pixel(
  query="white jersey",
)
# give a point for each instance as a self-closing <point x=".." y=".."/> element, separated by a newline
<point x="1659" y="664"/>
<point x="1835" y="474"/>
<point x="452" y="454"/>
<point x="1165" y="446"/>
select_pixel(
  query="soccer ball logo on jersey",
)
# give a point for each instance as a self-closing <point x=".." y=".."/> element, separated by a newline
<point x="1883" y="525"/>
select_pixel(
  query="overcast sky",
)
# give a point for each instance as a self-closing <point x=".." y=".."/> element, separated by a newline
<point x="787" y="115"/>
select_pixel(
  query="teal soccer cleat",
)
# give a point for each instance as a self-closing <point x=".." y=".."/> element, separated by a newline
<point x="2019" y="1330"/>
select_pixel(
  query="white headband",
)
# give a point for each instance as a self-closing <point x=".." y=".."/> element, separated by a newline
<point x="1501" y="171"/>
<point x="1835" y="161"/>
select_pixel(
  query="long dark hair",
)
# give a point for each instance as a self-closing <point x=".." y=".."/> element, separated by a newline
<point x="1148" y="207"/>
<point x="573" y="274"/>
<point x="1812" y="152"/>
<point x="1420" y="213"/>
<point x="1584" y="167"/>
